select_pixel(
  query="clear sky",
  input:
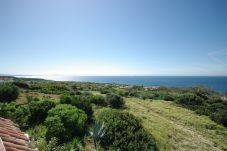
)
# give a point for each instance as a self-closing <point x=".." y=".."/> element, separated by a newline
<point x="113" y="37"/>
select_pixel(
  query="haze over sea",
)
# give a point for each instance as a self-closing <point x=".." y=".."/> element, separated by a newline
<point x="218" y="83"/>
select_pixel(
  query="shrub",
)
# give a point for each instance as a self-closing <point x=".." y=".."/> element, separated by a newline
<point x="115" y="100"/>
<point x="202" y="110"/>
<point x="22" y="115"/>
<point x="39" y="110"/>
<point x="168" y="97"/>
<point x="123" y="131"/>
<point x="104" y="91"/>
<point x="18" y="113"/>
<point x="7" y="110"/>
<point x="65" y="121"/>
<point x="55" y="128"/>
<point x="220" y="117"/>
<point x="80" y="102"/>
<point x="201" y="91"/>
<point x="189" y="99"/>
<point x="65" y="99"/>
<point x="8" y="92"/>
<point x="98" y="100"/>
<point x="21" y="84"/>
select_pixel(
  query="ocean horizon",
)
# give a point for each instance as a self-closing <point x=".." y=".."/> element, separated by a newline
<point x="217" y="83"/>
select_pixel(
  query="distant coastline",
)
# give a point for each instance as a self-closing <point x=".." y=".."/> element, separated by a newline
<point x="217" y="83"/>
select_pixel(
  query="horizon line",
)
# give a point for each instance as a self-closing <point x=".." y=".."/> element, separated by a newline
<point x="112" y="75"/>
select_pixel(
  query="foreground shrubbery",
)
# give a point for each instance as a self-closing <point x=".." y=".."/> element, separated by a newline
<point x="123" y="131"/>
<point x="65" y="122"/>
<point x="39" y="110"/>
<point x="26" y="115"/>
<point x="8" y="92"/>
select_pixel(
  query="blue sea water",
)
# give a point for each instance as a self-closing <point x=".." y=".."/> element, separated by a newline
<point x="218" y="83"/>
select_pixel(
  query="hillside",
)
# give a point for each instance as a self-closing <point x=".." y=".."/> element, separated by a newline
<point x="177" y="128"/>
<point x="62" y="116"/>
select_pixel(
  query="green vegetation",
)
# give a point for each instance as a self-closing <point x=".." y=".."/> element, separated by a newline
<point x="65" y="116"/>
<point x="8" y="92"/>
<point x="114" y="100"/>
<point x="81" y="102"/>
<point x="123" y="131"/>
<point x="65" y="122"/>
<point x="177" y="128"/>
<point x="205" y="104"/>
<point x="26" y="115"/>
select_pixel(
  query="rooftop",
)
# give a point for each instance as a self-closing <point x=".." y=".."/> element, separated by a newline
<point x="12" y="138"/>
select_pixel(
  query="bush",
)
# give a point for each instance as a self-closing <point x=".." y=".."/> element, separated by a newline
<point x="65" y="122"/>
<point x="168" y="97"/>
<point x="39" y="110"/>
<point x="123" y="131"/>
<point x="21" y="84"/>
<point x="81" y="102"/>
<point x="98" y="100"/>
<point x="18" y="113"/>
<point x="220" y="117"/>
<point x="7" y="110"/>
<point x="8" y="93"/>
<point x="190" y="100"/>
<point x="115" y="100"/>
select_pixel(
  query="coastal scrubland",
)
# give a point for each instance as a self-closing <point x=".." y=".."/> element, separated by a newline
<point x="61" y="116"/>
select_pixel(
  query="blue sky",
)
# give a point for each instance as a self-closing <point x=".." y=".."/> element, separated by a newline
<point x="113" y="37"/>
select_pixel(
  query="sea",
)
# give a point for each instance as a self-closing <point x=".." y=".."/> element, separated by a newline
<point x="217" y="83"/>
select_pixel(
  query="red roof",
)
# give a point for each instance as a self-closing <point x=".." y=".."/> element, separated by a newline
<point x="11" y="137"/>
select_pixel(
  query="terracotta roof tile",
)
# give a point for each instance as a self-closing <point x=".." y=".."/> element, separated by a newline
<point x="11" y="138"/>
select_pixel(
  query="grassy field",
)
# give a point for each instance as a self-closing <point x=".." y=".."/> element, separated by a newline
<point x="176" y="128"/>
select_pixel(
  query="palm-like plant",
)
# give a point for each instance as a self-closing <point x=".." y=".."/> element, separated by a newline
<point x="98" y="131"/>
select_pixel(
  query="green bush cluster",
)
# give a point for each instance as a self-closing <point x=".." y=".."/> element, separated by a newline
<point x="65" y="122"/>
<point x="205" y="104"/>
<point x="190" y="100"/>
<point x="39" y="110"/>
<point x="114" y="100"/>
<point x="81" y="102"/>
<point x="27" y="115"/>
<point x="162" y="94"/>
<point x="21" y="84"/>
<point x="123" y="131"/>
<point x="97" y="99"/>
<point x="50" y="87"/>
<point x="8" y="92"/>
